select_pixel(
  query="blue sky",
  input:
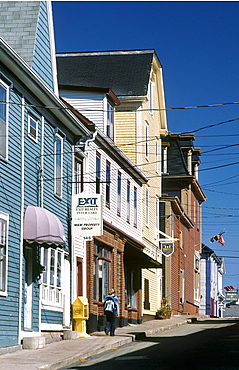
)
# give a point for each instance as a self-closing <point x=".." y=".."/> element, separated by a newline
<point x="198" y="46"/>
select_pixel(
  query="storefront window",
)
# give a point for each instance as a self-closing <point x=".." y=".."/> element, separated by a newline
<point x="102" y="264"/>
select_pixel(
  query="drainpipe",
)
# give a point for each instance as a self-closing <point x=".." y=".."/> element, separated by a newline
<point x="86" y="150"/>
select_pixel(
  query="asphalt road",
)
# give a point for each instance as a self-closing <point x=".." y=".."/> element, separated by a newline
<point x="211" y="344"/>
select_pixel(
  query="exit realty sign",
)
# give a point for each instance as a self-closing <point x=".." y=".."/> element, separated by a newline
<point x="87" y="218"/>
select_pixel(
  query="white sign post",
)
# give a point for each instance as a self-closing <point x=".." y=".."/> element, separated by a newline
<point x="87" y="217"/>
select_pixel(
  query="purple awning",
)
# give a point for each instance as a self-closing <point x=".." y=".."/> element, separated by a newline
<point x="42" y="226"/>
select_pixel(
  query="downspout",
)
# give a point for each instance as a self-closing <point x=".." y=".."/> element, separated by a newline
<point x="21" y="229"/>
<point x="86" y="149"/>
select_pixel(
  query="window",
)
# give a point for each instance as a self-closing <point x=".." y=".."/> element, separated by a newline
<point x="3" y="120"/>
<point x="146" y="141"/>
<point x="32" y="128"/>
<point x="52" y="259"/>
<point x="4" y="219"/>
<point x="128" y="201"/>
<point x="157" y="215"/>
<point x="135" y="207"/>
<point x="102" y="263"/>
<point x="130" y="289"/>
<point x="97" y="173"/>
<point x="147" y="207"/>
<point x="119" y="194"/>
<point x="58" y="164"/>
<point x="146" y="295"/>
<point x="162" y="216"/>
<point x="107" y="189"/>
<point x="197" y="276"/>
<point x="78" y="175"/>
<point x="156" y="156"/>
<point x="164" y="160"/>
<point x="110" y="121"/>
<point x="151" y="97"/>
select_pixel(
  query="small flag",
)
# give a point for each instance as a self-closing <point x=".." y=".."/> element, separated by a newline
<point x="229" y="287"/>
<point x="218" y="238"/>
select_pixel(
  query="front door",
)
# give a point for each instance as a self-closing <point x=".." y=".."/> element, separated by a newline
<point x="28" y="290"/>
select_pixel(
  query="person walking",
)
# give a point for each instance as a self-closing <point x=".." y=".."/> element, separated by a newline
<point x="111" y="310"/>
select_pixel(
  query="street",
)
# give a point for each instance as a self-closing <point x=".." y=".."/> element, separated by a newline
<point x="210" y="344"/>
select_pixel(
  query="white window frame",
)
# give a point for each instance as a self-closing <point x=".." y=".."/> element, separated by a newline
<point x="164" y="159"/>
<point x="110" y="121"/>
<point x="4" y="256"/>
<point x="6" y="87"/>
<point x="58" y="179"/>
<point x="78" y="173"/>
<point x="52" y="288"/>
<point x="32" y="136"/>
<point x="151" y="97"/>
<point x="157" y="155"/>
<point x="147" y="206"/>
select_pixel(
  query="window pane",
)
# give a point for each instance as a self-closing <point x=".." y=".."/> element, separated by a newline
<point x="59" y="270"/>
<point x="52" y="267"/>
<point x="45" y="259"/>
<point x="3" y="98"/>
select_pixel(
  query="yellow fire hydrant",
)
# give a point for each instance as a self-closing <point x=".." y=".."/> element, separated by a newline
<point x="80" y="313"/>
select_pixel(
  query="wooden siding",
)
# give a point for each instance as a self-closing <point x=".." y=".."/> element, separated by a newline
<point x="10" y="203"/>
<point x="41" y="62"/>
<point x="52" y="317"/>
<point x="125" y="129"/>
<point x="110" y="213"/>
<point x="90" y="104"/>
<point x="153" y="278"/>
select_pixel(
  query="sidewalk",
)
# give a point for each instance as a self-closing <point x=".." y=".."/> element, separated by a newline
<point x="64" y="353"/>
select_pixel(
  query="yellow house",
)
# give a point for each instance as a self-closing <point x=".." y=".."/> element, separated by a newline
<point x="140" y="121"/>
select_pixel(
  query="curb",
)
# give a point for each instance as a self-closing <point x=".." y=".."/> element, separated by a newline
<point x="85" y="355"/>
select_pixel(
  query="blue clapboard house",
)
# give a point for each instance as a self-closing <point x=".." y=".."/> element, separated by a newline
<point x="37" y="137"/>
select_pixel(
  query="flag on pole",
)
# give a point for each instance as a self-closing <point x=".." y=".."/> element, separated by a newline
<point x="218" y="238"/>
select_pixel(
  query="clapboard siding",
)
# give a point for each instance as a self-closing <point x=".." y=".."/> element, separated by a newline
<point x="10" y="203"/>
<point x="90" y="104"/>
<point x="51" y="317"/>
<point x="41" y="62"/>
<point x="110" y="214"/>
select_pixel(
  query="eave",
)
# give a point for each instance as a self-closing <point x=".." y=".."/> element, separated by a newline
<point x="121" y="158"/>
<point x="178" y="210"/>
<point x="39" y="89"/>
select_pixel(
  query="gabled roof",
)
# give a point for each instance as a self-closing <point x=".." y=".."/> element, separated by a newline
<point x="129" y="70"/>
<point x="18" y="24"/>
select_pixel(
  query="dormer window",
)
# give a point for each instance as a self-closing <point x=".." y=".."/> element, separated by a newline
<point x="110" y="121"/>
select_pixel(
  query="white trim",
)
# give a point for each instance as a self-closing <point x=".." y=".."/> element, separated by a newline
<point x="28" y="334"/>
<point x="52" y="46"/>
<point x="30" y="117"/>
<point x="57" y="136"/>
<point x="5" y="86"/>
<point x="52" y="327"/>
<point x="42" y="162"/>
